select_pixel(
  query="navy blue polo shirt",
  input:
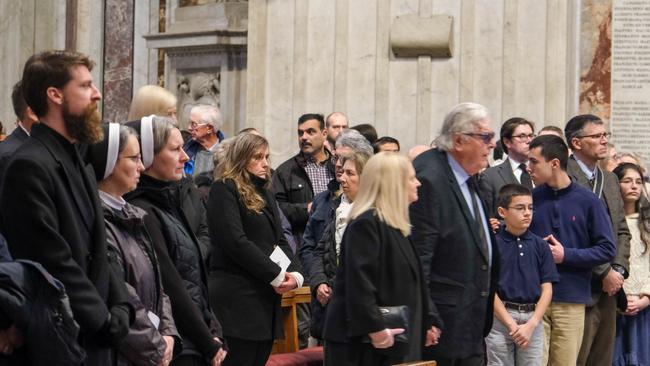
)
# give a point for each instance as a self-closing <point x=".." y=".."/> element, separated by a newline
<point x="526" y="263"/>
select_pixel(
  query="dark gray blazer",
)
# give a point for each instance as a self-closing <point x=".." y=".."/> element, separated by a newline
<point x="455" y="266"/>
<point x="614" y="203"/>
<point x="10" y="145"/>
<point x="491" y="181"/>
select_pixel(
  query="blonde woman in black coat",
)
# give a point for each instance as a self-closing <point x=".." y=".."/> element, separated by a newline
<point x="245" y="284"/>
<point x="379" y="267"/>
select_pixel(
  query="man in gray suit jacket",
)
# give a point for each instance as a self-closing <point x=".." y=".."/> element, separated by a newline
<point x="451" y="234"/>
<point x="587" y="138"/>
<point x="516" y="133"/>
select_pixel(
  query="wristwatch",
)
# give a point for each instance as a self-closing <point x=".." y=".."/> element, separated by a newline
<point x="620" y="269"/>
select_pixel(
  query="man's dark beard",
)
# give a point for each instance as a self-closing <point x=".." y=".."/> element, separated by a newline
<point x="85" y="128"/>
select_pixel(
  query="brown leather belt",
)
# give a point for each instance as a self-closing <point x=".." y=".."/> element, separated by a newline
<point x="523" y="308"/>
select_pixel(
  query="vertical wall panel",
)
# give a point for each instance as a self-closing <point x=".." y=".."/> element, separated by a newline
<point x="300" y="65"/>
<point x="382" y="67"/>
<point x="362" y="48"/>
<point x="402" y="97"/>
<point x="256" y="71"/>
<point x="466" y="51"/>
<point x="341" y="56"/>
<point x="510" y="63"/>
<point x="279" y="114"/>
<point x="444" y="73"/>
<point x="320" y="56"/>
<point x="488" y="56"/>
<point x="556" y="66"/>
<point x="530" y="94"/>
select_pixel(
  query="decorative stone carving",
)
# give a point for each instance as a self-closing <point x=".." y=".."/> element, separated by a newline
<point x="198" y="88"/>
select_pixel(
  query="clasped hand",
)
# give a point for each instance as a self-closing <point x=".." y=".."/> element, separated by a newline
<point x="289" y="283"/>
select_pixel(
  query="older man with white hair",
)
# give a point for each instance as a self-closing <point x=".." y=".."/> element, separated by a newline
<point x="452" y="235"/>
<point x="205" y="126"/>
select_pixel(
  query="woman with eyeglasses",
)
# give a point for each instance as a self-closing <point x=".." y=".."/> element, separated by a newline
<point x="152" y="337"/>
<point x="171" y="208"/>
<point x="633" y="325"/>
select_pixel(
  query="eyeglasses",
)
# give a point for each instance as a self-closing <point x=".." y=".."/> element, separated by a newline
<point x="194" y="124"/>
<point x="598" y="136"/>
<point x="133" y="158"/>
<point x="486" y="137"/>
<point x="522" y="208"/>
<point x="524" y="136"/>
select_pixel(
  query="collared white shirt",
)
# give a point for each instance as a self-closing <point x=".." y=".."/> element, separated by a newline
<point x="20" y="124"/>
<point x="461" y="178"/>
<point x="516" y="170"/>
<point x="585" y="169"/>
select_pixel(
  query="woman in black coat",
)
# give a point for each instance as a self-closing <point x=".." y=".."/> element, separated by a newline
<point x="379" y="267"/>
<point x="326" y="254"/>
<point x="245" y="229"/>
<point x="117" y="164"/>
<point x="172" y="206"/>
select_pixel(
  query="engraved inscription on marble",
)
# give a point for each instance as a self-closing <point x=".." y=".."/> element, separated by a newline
<point x="631" y="76"/>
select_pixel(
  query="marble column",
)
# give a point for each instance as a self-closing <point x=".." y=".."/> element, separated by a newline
<point x="118" y="59"/>
<point x="595" y="58"/>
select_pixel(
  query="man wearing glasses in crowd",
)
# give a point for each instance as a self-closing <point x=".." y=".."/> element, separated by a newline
<point x="588" y="138"/>
<point x="516" y="134"/>
<point x="451" y="234"/>
<point x="205" y="126"/>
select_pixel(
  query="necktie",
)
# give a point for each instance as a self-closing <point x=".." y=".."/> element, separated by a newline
<point x="525" y="177"/>
<point x="477" y="214"/>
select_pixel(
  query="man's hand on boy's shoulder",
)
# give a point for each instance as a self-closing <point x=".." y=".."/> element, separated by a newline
<point x="557" y="249"/>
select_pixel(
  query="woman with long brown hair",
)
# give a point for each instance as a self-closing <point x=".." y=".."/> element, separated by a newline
<point x="633" y="326"/>
<point x="245" y="283"/>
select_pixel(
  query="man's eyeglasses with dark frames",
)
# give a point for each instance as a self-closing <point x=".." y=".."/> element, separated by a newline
<point x="524" y="136"/>
<point x="486" y="137"/>
<point x="598" y="136"/>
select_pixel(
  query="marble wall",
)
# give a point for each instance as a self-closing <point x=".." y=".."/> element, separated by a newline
<point x="23" y="31"/>
<point x="596" y="57"/>
<point x="31" y="26"/>
<point x="118" y="59"/>
<point x="517" y="57"/>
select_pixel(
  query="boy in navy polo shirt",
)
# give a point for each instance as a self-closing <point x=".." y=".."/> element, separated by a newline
<point x="525" y="288"/>
<point x="578" y="229"/>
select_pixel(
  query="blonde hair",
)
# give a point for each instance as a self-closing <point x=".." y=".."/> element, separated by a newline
<point x="239" y="152"/>
<point x="151" y="99"/>
<point x="383" y="186"/>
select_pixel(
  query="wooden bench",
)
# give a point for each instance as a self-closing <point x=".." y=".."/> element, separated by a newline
<point x="290" y="319"/>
